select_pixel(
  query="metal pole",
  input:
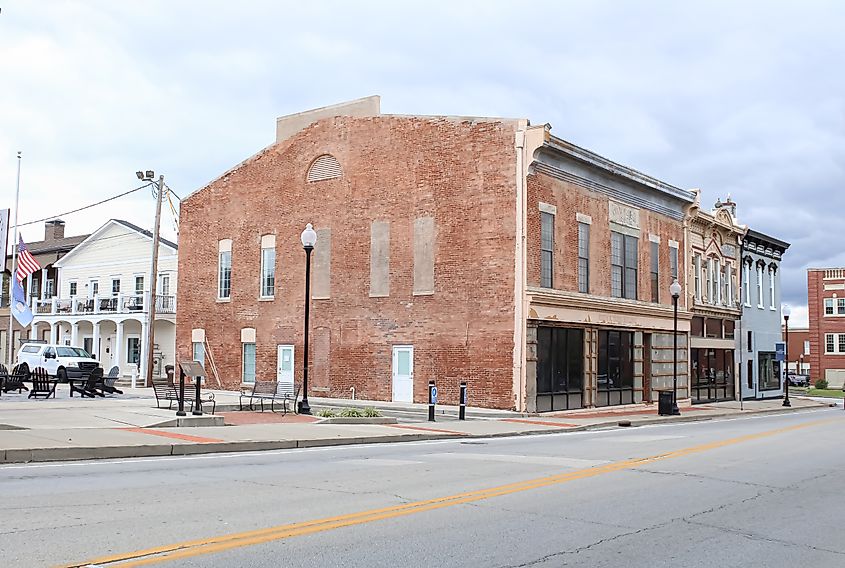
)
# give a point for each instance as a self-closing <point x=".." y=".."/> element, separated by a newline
<point x="151" y="307"/>
<point x="181" y="410"/>
<point x="197" y="400"/>
<point x="304" y="408"/>
<point x="675" y="410"/>
<point x="11" y="354"/>
<point x="462" y="409"/>
<point x="786" y="363"/>
<point x="432" y="400"/>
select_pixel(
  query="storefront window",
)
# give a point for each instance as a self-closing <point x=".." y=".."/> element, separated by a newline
<point x="697" y="327"/>
<point x="560" y="368"/>
<point x="615" y="368"/>
<point x="769" y="376"/>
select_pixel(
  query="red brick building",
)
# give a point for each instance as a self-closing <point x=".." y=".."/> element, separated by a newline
<point x="826" y="307"/>
<point x="799" y="350"/>
<point x="448" y="248"/>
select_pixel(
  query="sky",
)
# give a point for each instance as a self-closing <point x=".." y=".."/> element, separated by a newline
<point x="739" y="98"/>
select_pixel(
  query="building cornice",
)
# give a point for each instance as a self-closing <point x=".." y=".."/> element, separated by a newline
<point x="587" y="302"/>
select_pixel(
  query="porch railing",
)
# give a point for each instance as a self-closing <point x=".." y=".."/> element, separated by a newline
<point x="118" y="304"/>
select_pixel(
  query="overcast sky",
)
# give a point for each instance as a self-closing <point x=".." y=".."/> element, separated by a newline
<point x="740" y="98"/>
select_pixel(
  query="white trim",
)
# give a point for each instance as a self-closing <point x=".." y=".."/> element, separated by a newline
<point x="115" y="263"/>
<point x="224" y="245"/>
<point x="268" y="241"/>
<point x="547" y="208"/>
<point x="654" y="238"/>
<point x="248" y="335"/>
<point x="673" y="244"/>
<point x="96" y="235"/>
<point x="197" y="335"/>
<point x="581" y="218"/>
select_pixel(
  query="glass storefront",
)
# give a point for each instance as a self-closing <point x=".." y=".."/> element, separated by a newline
<point x="560" y="368"/>
<point x="615" y="368"/>
<point x="712" y="375"/>
<point x="768" y="371"/>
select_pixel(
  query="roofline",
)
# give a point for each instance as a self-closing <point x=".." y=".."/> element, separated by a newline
<point x="125" y="224"/>
<point x="589" y="157"/>
<point x="764" y="237"/>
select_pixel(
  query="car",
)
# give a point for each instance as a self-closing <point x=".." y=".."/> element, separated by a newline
<point x="796" y="380"/>
<point x="62" y="361"/>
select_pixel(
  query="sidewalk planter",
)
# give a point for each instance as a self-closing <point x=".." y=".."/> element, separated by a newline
<point x="348" y="420"/>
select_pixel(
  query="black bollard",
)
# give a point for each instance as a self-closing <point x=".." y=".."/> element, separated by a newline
<point x="197" y="401"/>
<point x="462" y="409"/>
<point x="181" y="411"/>
<point x="432" y="400"/>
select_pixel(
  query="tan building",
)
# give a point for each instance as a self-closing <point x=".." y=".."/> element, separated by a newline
<point x="39" y="286"/>
<point x="714" y="250"/>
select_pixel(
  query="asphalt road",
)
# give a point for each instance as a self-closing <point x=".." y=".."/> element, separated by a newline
<point x="763" y="491"/>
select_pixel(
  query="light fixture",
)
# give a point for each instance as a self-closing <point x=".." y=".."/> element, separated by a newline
<point x="140" y="175"/>
<point x="786" y="310"/>
<point x="675" y="289"/>
<point x="309" y="236"/>
<point x="149" y="175"/>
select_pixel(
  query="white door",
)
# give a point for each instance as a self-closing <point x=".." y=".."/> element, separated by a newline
<point x="284" y="368"/>
<point x="403" y="373"/>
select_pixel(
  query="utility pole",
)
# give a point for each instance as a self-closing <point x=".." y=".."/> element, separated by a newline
<point x="151" y="310"/>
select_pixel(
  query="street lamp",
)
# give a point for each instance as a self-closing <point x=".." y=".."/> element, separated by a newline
<point x="675" y="290"/>
<point x="785" y="310"/>
<point x="309" y="239"/>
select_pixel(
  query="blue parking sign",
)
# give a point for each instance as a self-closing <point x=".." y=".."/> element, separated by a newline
<point x="780" y="351"/>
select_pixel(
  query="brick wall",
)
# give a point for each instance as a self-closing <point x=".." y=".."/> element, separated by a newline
<point x="821" y="325"/>
<point x="395" y="169"/>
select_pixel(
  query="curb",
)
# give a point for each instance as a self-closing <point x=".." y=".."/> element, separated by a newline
<point x="40" y="455"/>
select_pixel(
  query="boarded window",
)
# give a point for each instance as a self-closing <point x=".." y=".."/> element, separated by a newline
<point x="324" y="167"/>
<point x="322" y="285"/>
<point x="380" y="259"/>
<point x="424" y="256"/>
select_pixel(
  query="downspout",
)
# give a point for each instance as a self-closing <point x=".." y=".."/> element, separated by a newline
<point x="741" y="312"/>
<point x="520" y="275"/>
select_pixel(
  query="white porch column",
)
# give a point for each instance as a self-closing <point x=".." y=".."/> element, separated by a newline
<point x="29" y="290"/>
<point x="74" y="334"/>
<point x="118" y="346"/>
<point x="54" y="332"/>
<point x="95" y="343"/>
<point x="33" y="330"/>
<point x="43" y="293"/>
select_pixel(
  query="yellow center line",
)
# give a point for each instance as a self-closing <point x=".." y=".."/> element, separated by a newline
<point x="236" y="540"/>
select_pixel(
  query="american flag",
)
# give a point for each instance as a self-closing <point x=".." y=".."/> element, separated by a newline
<point x="26" y="262"/>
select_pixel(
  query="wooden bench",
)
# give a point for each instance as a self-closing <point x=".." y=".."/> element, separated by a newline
<point x="269" y="390"/>
<point x="170" y="393"/>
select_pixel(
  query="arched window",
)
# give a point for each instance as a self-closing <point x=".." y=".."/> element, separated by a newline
<point x="324" y="167"/>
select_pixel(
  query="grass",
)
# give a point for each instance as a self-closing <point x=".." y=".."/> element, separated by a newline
<point x="349" y="413"/>
<point x="830" y="393"/>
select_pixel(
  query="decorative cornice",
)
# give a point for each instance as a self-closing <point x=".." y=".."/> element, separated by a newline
<point x="587" y="302"/>
<point x="624" y="197"/>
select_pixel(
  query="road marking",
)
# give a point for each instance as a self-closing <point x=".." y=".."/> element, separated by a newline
<point x="520" y="459"/>
<point x="173" y="435"/>
<point x="222" y="543"/>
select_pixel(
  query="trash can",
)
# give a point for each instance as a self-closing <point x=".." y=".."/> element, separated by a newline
<point x="664" y="402"/>
<point x="170" y="372"/>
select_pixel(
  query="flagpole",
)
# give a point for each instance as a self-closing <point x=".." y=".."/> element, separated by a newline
<point x="11" y="354"/>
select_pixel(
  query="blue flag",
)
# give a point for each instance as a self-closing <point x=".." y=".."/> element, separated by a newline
<point x="20" y="309"/>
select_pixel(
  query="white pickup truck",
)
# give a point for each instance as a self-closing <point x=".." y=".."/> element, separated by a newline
<point x="61" y="361"/>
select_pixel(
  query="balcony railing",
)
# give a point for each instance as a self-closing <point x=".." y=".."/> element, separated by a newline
<point x="119" y="304"/>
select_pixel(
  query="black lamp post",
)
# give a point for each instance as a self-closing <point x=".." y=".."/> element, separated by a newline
<point x="675" y="290"/>
<point x="309" y="239"/>
<point x="786" y="311"/>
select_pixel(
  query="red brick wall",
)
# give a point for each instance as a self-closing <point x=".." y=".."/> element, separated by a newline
<point x="820" y="325"/>
<point x="571" y="199"/>
<point x="395" y="169"/>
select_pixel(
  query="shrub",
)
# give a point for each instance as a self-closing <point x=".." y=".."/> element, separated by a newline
<point x="352" y="413"/>
<point x="326" y="413"/>
<point x="821" y="384"/>
<point x="371" y="412"/>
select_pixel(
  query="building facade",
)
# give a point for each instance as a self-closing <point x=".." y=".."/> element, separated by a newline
<point x="451" y="249"/>
<point x="103" y="298"/>
<point x="41" y="285"/>
<point x="713" y="238"/>
<point x="760" y="374"/>
<point x="799" y="350"/>
<point x="826" y="307"/>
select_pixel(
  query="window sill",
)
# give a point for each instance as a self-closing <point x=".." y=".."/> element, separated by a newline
<point x="266" y="298"/>
<point x="224" y="300"/>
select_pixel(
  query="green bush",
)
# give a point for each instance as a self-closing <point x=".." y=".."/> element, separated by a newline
<point x="349" y="413"/>
<point x="326" y="413"/>
<point x="821" y="384"/>
<point x="371" y="412"/>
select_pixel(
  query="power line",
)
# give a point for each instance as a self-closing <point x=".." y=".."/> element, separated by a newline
<point x="83" y="208"/>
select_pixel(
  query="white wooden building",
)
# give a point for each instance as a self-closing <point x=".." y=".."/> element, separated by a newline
<point x="103" y="299"/>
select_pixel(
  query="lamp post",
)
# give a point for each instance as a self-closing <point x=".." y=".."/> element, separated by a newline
<point x="675" y="290"/>
<point x="786" y="311"/>
<point x="309" y="239"/>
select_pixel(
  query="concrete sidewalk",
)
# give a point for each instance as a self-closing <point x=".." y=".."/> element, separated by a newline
<point x="129" y="426"/>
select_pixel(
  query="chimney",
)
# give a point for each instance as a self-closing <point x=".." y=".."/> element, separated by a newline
<point x="728" y="204"/>
<point x="54" y="230"/>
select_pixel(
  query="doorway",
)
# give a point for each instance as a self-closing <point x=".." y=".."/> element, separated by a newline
<point x="403" y="373"/>
<point x="284" y="368"/>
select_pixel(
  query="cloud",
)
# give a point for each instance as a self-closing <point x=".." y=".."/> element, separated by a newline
<point x="732" y="98"/>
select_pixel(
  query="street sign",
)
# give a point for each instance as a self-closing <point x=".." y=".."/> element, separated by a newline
<point x="780" y="351"/>
<point x="192" y="369"/>
<point x="434" y="395"/>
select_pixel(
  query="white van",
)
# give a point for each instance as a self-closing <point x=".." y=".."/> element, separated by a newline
<point x="61" y="361"/>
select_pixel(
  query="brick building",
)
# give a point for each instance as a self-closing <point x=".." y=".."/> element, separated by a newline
<point x="448" y="248"/>
<point x="799" y="350"/>
<point x="826" y="307"/>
